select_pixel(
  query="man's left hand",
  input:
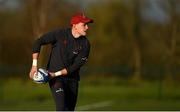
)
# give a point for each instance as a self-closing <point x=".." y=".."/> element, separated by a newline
<point x="58" y="73"/>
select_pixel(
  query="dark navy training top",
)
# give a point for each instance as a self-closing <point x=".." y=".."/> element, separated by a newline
<point x="67" y="52"/>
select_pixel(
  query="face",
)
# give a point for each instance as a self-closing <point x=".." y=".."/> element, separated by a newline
<point x="81" y="28"/>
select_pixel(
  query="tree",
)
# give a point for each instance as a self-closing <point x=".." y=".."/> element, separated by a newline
<point x="136" y="41"/>
<point x="39" y="10"/>
<point x="171" y="51"/>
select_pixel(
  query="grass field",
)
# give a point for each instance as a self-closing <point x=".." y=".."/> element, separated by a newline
<point x="18" y="94"/>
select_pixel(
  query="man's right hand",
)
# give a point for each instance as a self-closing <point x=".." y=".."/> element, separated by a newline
<point x="33" y="71"/>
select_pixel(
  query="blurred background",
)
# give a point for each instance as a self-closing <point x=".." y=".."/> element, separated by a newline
<point x="134" y="63"/>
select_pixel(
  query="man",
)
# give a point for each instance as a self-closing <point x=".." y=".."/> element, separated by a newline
<point x="70" y="50"/>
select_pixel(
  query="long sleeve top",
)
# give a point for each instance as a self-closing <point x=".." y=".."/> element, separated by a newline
<point x="67" y="52"/>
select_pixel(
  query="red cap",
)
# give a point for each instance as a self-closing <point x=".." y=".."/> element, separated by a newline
<point x="80" y="18"/>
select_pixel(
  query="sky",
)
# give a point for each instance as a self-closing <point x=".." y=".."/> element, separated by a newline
<point x="154" y="10"/>
<point x="9" y="4"/>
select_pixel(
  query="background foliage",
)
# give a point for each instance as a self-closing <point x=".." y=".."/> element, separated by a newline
<point x="131" y="40"/>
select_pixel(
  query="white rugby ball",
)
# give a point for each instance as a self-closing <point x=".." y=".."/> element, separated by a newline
<point x="41" y="76"/>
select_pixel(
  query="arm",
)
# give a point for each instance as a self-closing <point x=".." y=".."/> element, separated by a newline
<point x="34" y="65"/>
<point x="79" y="61"/>
<point x="58" y="73"/>
<point x="43" y="40"/>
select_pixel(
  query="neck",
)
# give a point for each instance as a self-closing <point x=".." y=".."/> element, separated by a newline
<point x="75" y="33"/>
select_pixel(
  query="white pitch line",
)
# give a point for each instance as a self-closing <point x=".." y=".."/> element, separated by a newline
<point x="95" y="105"/>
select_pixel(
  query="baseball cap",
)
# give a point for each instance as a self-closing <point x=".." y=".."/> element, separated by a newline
<point x="80" y="17"/>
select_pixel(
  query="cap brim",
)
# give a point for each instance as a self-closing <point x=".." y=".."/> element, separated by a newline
<point x="88" y="20"/>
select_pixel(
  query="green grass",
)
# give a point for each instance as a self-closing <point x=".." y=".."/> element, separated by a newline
<point x="130" y="98"/>
<point x="18" y="94"/>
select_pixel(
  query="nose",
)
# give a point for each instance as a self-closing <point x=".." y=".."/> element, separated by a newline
<point x="86" y="27"/>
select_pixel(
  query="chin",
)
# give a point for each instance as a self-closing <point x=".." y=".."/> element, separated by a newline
<point x="84" y="34"/>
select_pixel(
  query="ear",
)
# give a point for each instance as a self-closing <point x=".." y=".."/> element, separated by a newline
<point x="74" y="25"/>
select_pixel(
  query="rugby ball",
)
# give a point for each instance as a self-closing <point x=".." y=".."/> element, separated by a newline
<point x="41" y="76"/>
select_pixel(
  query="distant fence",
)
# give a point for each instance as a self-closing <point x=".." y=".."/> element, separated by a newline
<point x="122" y="70"/>
<point x="14" y="69"/>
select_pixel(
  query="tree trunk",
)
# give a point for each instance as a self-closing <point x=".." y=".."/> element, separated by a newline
<point x="136" y="44"/>
<point x="39" y="13"/>
<point x="172" y="34"/>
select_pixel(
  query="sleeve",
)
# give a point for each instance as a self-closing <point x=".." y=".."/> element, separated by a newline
<point x="81" y="59"/>
<point x="43" y="40"/>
